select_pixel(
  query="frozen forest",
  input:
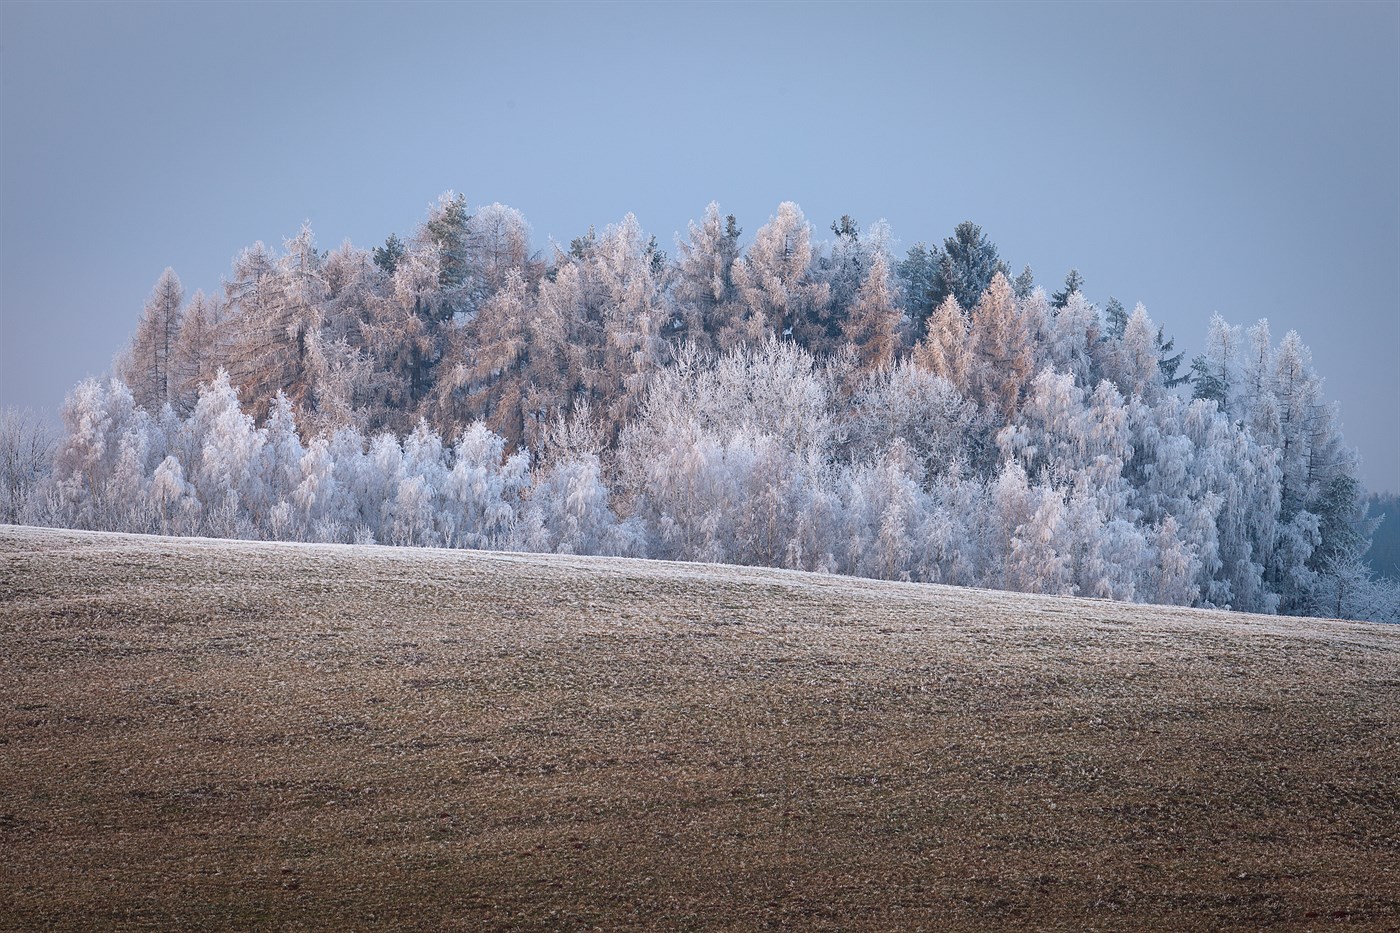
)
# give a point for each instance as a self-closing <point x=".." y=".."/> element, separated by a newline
<point x="804" y="401"/>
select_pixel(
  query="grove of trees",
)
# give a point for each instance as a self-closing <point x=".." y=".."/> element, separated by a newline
<point x="803" y="402"/>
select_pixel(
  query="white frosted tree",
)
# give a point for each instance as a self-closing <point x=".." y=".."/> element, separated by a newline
<point x="230" y="477"/>
<point x="27" y="445"/>
<point x="912" y="405"/>
<point x="103" y="457"/>
<point x="774" y="279"/>
<point x="282" y="455"/>
<point x="633" y="319"/>
<point x="1134" y="364"/>
<point x="1002" y="353"/>
<point x="946" y="349"/>
<point x="1215" y="374"/>
<point x="484" y="488"/>
<point x="317" y="493"/>
<point x="704" y="293"/>
<point x="1074" y="337"/>
<point x="569" y="512"/>
<point x="174" y="500"/>
<point x="499" y="239"/>
<point x="200" y="350"/>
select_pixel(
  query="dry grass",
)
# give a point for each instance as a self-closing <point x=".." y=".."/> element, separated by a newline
<point x="199" y="735"/>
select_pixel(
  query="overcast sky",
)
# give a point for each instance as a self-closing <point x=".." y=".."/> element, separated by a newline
<point x="1195" y="157"/>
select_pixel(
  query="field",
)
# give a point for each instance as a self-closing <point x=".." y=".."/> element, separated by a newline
<point x="203" y="734"/>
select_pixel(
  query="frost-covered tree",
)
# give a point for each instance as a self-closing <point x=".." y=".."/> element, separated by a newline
<point x="485" y="372"/>
<point x="229" y="472"/>
<point x="483" y="489"/>
<point x="845" y="267"/>
<point x="147" y="367"/>
<point x="742" y="406"/>
<point x="1133" y="365"/>
<point x="968" y="263"/>
<point x="447" y="234"/>
<point x="499" y="241"/>
<point x="775" y="281"/>
<point x="872" y="323"/>
<point x="946" y="349"/>
<point x="1074" y="340"/>
<point x="1074" y="284"/>
<point x="921" y="281"/>
<point x="26" y="458"/>
<point x="102" y="462"/>
<point x="1215" y="374"/>
<point x="918" y="409"/>
<point x="1024" y="283"/>
<point x="633" y="319"/>
<point x="705" y="295"/>
<point x="200" y="350"/>
<point x="1003" y="357"/>
<point x="569" y="512"/>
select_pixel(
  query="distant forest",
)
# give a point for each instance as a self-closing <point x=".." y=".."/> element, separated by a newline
<point x="1384" y="555"/>
<point x="785" y="399"/>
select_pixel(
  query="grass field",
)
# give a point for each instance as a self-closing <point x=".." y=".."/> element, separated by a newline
<point x="205" y="734"/>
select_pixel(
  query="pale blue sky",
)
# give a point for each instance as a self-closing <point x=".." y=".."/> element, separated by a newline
<point x="1195" y="157"/>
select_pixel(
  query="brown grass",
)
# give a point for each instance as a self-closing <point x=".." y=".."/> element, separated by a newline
<point x="202" y="735"/>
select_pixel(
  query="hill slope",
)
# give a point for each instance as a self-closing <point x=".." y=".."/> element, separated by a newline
<point x="205" y="734"/>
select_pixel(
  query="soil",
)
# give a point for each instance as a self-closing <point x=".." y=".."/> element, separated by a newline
<point x="201" y="734"/>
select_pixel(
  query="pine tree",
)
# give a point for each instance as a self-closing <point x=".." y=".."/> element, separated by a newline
<point x="1074" y="282"/>
<point x="922" y="284"/>
<point x="1115" y="317"/>
<point x="844" y="270"/>
<point x="1215" y="374"/>
<point x="968" y="263"/>
<point x="387" y="257"/>
<point x="1024" y="283"/>
<point x="448" y="229"/>
<point x="1169" y="365"/>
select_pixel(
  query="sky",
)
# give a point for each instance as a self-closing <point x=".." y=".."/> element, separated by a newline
<point x="1195" y="157"/>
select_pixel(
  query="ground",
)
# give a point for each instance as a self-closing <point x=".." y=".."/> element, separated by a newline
<point x="203" y="734"/>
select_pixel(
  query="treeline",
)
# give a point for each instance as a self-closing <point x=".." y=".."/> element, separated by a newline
<point x="814" y="405"/>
